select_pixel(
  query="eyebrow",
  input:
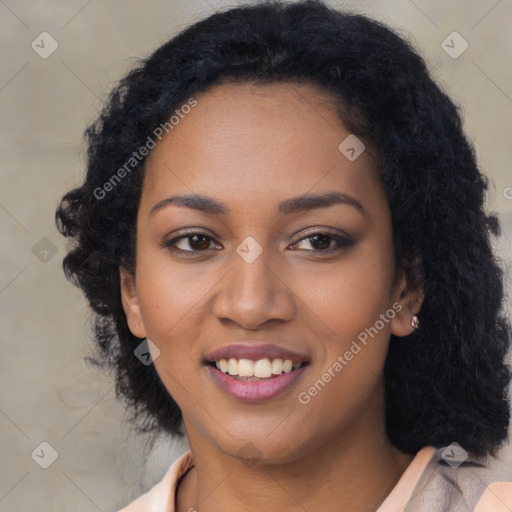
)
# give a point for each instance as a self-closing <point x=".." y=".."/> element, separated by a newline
<point x="302" y="203"/>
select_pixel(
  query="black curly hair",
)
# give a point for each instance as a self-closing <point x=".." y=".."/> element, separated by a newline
<point x="445" y="382"/>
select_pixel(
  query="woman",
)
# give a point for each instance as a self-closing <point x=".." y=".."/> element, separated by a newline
<point x="282" y="235"/>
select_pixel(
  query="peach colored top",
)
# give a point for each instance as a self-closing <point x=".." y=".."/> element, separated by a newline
<point x="496" y="497"/>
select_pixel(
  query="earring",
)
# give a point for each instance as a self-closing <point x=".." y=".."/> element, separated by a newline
<point x="415" y="321"/>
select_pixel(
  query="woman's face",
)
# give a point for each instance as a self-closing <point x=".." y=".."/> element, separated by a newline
<point x="265" y="265"/>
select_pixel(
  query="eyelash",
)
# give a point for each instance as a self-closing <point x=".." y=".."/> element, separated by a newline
<point x="342" y="242"/>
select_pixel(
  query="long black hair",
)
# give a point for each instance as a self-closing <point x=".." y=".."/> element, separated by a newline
<point x="445" y="382"/>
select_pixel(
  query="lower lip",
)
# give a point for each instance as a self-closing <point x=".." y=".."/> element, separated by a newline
<point x="255" y="391"/>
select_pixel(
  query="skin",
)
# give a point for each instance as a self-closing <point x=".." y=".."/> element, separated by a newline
<point x="251" y="147"/>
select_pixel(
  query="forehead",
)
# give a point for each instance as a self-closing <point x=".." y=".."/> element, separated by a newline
<point x="256" y="143"/>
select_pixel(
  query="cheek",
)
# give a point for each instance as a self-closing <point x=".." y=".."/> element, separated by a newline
<point x="351" y="294"/>
<point x="171" y="298"/>
<point x="351" y="357"/>
<point x="347" y="301"/>
<point x="170" y="301"/>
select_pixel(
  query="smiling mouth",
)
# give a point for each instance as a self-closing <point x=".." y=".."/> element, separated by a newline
<point x="260" y="370"/>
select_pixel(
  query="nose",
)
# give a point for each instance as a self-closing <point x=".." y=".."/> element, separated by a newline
<point x="252" y="294"/>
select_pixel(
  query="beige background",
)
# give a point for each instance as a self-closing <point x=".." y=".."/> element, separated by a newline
<point x="47" y="392"/>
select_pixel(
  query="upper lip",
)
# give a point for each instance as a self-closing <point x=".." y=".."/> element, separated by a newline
<point x="255" y="350"/>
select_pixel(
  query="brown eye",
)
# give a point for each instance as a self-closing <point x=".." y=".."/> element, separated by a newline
<point x="195" y="242"/>
<point x="322" y="242"/>
<point x="198" y="242"/>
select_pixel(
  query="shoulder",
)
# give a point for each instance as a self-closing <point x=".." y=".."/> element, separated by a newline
<point x="455" y="481"/>
<point x="160" y="498"/>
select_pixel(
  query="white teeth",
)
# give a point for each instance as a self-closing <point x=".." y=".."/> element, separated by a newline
<point x="287" y="366"/>
<point x="277" y="366"/>
<point x="233" y="367"/>
<point x="245" y="368"/>
<point x="262" y="368"/>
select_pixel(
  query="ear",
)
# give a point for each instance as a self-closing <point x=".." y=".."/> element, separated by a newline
<point x="130" y="303"/>
<point x="409" y="295"/>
